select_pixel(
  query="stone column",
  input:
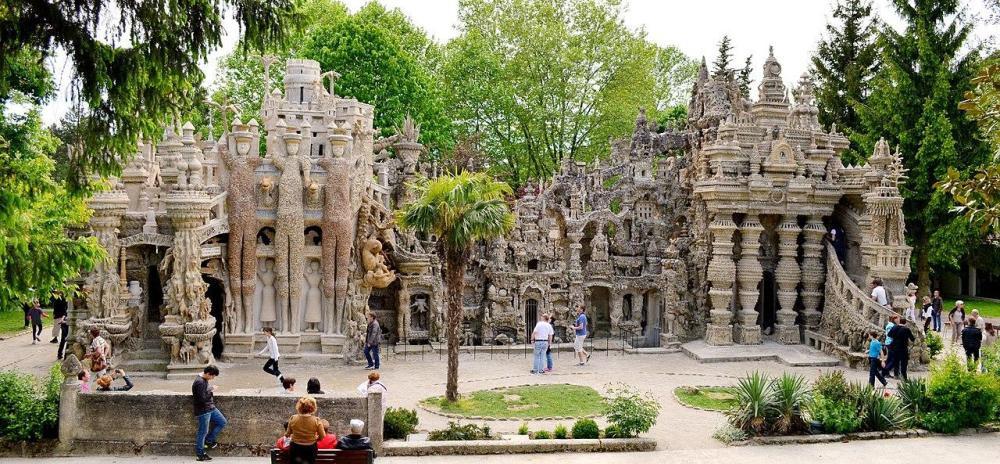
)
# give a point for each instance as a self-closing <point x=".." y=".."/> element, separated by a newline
<point x="812" y="270"/>
<point x="721" y="273"/>
<point x="787" y="275"/>
<point x="574" y="250"/>
<point x="750" y="274"/>
<point x="188" y="326"/>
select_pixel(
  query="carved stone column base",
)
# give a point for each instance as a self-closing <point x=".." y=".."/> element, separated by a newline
<point x="288" y="345"/>
<point x="812" y="319"/>
<point x="749" y="335"/>
<point x="241" y="346"/>
<point x="787" y="334"/>
<point x="332" y="343"/>
<point x="719" y="335"/>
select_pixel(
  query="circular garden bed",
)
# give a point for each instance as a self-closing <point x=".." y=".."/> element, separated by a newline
<point x="719" y="399"/>
<point x="525" y="402"/>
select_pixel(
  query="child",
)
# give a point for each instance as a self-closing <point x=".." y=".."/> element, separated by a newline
<point x="875" y="359"/>
<point x="271" y="348"/>
<point x="36" y="314"/>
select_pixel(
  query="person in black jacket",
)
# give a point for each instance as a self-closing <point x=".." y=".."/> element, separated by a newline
<point x="899" y="350"/>
<point x="104" y="383"/>
<point x="354" y="440"/>
<point x="206" y="412"/>
<point x="972" y="341"/>
<point x="59" y="310"/>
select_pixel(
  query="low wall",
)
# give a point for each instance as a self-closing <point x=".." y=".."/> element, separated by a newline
<point x="158" y="420"/>
<point x="474" y="447"/>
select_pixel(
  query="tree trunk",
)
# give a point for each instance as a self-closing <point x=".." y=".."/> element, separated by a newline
<point x="454" y="279"/>
<point x="923" y="266"/>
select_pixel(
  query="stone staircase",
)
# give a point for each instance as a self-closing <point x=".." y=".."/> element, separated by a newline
<point x="151" y="358"/>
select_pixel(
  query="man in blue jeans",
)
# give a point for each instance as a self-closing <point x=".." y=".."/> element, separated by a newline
<point x="206" y="413"/>
<point x="373" y="338"/>
<point x="540" y="337"/>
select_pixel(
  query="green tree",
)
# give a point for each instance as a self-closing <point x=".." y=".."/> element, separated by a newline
<point x="914" y="104"/>
<point x="460" y="210"/>
<point x="132" y="75"/>
<point x="843" y="65"/>
<point x="540" y="81"/>
<point x="381" y="57"/>
<point x="723" y="61"/>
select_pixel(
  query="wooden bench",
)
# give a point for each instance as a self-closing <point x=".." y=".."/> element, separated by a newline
<point x="328" y="456"/>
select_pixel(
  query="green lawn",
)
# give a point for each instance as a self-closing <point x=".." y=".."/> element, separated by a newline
<point x="11" y="321"/>
<point x="529" y="401"/>
<point x="712" y="398"/>
<point x="988" y="309"/>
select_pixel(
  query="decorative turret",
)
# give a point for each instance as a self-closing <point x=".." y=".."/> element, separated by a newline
<point x="771" y="108"/>
<point x="302" y="81"/>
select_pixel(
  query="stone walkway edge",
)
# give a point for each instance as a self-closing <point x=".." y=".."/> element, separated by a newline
<point x="478" y="447"/>
<point x="844" y="437"/>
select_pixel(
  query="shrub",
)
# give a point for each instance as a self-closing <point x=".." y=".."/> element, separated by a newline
<point x="754" y="404"/>
<point x="541" y="435"/>
<point x="523" y="429"/>
<point x="835" y="416"/>
<point x="880" y="412"/>
<point x="586" y="428"/>
<point x="29" y="410"/>
<point x="934" y="343"/>
<point x="991" y="360"/>
<point x="399" y="422"/>
<point x="831" y="385"/>
<point x="631" y="412"/>
<point x="913" y="395"/>
<point x="791" y="394"/>
<point x="560" y="432"/>
<point x="957" y="398"/>
<point x="614" y="431"/>
<point x="729" y="434"/>
<point x="461" y="432"/>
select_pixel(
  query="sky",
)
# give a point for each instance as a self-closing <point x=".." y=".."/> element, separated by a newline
<point x="792" y="27"/>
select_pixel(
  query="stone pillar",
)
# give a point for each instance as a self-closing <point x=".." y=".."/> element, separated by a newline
<point x="374" y="423"/>
<point x="787" y="275"/>
<point x="749" y="274"/>
<point x="103" y="286"/>
<point x="574" y="249"/>
<point x="812" y="270"/>
<point x="69" y="391"/>
<point x="721" y="273"/>
<point x="188" y="326"/>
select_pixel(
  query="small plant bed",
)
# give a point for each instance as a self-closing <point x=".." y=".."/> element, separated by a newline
<point x="719" y="399"/>
<point x="532" y="402"/>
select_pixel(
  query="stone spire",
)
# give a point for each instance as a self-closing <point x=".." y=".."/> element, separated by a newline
<point x="772" y="107"/>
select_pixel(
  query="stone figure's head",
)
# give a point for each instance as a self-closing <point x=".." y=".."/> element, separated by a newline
<point x="268" y="264"/>
<point x="339" y="137"/>
<point x="314" y="265"/>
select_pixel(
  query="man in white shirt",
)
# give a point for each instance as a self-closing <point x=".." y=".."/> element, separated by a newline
<point x="878" y="293"/>
<point x="271" y="350"/>
<point x="540" y="338"/>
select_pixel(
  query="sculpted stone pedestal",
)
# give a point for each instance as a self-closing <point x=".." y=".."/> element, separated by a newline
<point x="240" y="346"/>
<point x="750" y="274"/>
<point x="787" y="275"/>
<point x="289" y="345"/>
<point x="721" y="274"/>
<point x="332" y="343"/>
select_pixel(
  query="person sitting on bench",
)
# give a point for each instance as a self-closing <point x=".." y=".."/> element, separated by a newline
<point x="330" y="440"/>
<point x="283" y="442"/>
<point x="354" y="440"/>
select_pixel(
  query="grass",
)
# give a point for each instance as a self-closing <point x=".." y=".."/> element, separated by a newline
<point x="528" y="401"/>
<point x="711" y="398"/>
<point x="11" y="321"/>
<point x="990" y="309"/>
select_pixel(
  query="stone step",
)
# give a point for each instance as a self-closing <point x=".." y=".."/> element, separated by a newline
<point x="145" y="365"/>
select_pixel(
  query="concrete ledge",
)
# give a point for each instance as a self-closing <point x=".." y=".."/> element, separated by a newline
<point x="472" y="447"/>
<point x="856" y="436"/>
<point x="789" y="355"/>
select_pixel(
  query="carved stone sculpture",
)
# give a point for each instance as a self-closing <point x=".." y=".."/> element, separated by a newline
<point x="243" y="225"/>
<point x="314" y="305"/>
<point x="289" y="242"/>
<point x="338" y="224"/>
<point x="377" y="274"/>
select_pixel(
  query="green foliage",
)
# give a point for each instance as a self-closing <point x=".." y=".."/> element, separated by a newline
<point x="791" y="394"/>
<point x="134" y="75"/>
<point x="615" y="431"/>
<point x="844" y="64"/>
<point x="831" y="385"/>
<point x="728" y="434"/>
<point x="544" y="80"/>
<point x="559" y="433"/>
<point x="754" y="404"/>
<point x="457" y="431"/>
<point x="629" y="411"/>
<point x="541" y="435"/>
<point x="399" y="422"/>
<point x="586" y="428"/>
<point x="880" y="411"/>
<point x="913" y="103"/>
<point x="934" y="343"/>
<point x="29" y="410"/>
<point x="526" y="401"/>
<point x="711" y="398"/>
<point x="721" y="67"/>
<point x="990" y="360"/>
<point x="460" y="209"/>
<point x="836" y="416"/>
<point x="957" y="398"/>
<point x="912" y="394"/>
<point x="523" y="429"/>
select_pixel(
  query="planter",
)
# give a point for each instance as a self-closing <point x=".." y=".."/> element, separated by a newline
<point x="473" y="447"/>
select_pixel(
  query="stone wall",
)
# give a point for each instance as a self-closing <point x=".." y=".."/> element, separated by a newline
<point x="144" y="418"/>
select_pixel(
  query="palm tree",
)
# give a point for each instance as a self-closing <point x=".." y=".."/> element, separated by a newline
<point x="460" y="210"/>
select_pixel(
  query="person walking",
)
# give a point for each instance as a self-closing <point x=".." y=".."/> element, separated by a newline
<point x="910" y="313"/>
<point x="26" y="308"/>
<point x="549" y="363"/>
<point x="927" y="312"/>
<point x="972" y="341"/>
<point x="890" y="354"/>
<point x="271" y="350"/>
<point x="899" y="351"/>
<point x="938" y="309"/>
<point x="957" y="318"/>
<point x="875" y="359"/>
<point x="373" y="338"/>
<point x="36" y="314"/>
<point x="540" y="337"/>
<point x="878" y="293"/>
<point x="63" y="334"/>
<point x="59" y="311"/>
<point x="99" y="352"/>
<point x="206" y="413"/>
<point x="580" y="335"/>
<point x="305" y="429"/>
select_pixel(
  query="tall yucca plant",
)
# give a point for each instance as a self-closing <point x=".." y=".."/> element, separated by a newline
<point x="791" y="393"/>
<point x="460" y="210"/>
<point x="755" y="400"/>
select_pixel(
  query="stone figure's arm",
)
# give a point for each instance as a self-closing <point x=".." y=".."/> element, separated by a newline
<point x="275" y="161"/>
<point x="306" y="164"/>
<point x="226" y="156"/>
<point x="254" y="161"/>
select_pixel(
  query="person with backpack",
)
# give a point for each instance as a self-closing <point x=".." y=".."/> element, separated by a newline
<point x="972" y="342"/>
<point x="899" y="350"/>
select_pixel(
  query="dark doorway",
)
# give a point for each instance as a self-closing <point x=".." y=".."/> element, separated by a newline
<point x="599" y="311"/>
<point x="767" y="305"/>
<point x="530" y="317"/>
<point x="154" y="295"/>
<point x="216" y="296"/>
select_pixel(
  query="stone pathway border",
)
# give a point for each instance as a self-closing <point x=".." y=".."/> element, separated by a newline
<point x="489" y="418"/>
<point x="473" y="447"/>
<point x="843" y="437"/>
